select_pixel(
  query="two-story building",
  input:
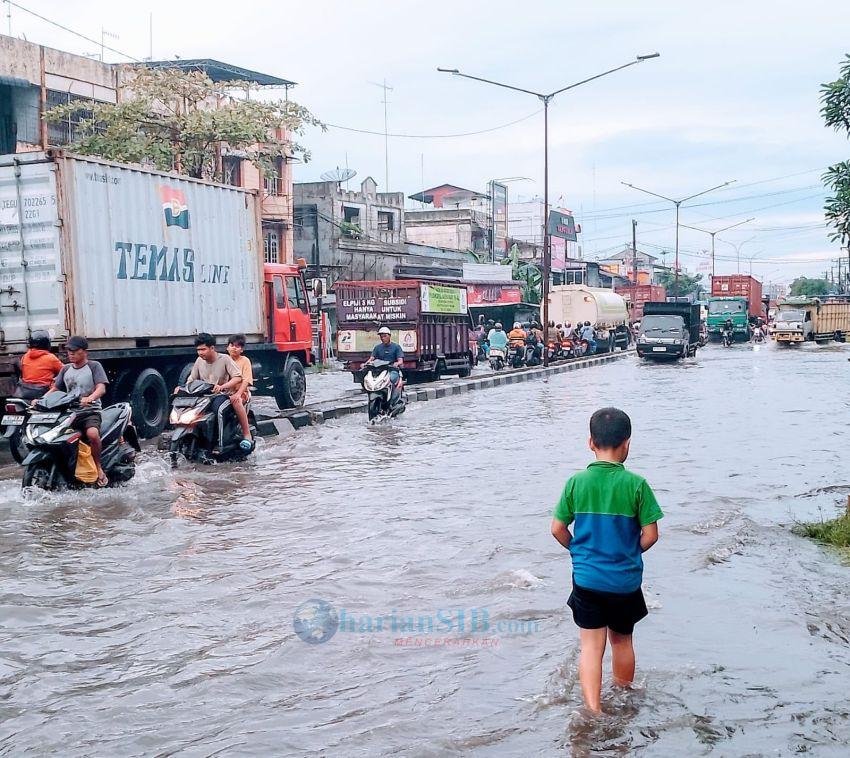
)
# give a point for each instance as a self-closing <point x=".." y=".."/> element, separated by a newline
<point x="458" y="219"/>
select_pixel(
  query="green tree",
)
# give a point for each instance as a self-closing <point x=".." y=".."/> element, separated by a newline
<point x="835" y="109"/>
<point x="527" y="273"/>
<point x="687" y="284"/>
<point x="180" y="120"/>
<point x="802" y="286"/>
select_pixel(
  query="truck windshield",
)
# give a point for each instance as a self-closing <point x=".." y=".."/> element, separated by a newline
<point x="725" y="306"/>
<point x="790" y="316"/>
<point x="656" y="324"/>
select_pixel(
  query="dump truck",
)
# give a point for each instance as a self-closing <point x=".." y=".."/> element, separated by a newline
<point x="140" y="262"/>
<point x="428" y="319"/>
<point x="603" y="308"/>
<point x="669" y="331"/>
<point x="803" y="319"/>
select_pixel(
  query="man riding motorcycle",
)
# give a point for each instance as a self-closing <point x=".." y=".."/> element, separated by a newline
<point x="517" y="335"/>
<point x="391" y="352"/>
<point x="589" y="335"/>
<point x="497" y="338"/>
<point x="37" y="369"/>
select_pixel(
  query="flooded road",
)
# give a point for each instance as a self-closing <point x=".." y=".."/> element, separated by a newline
<point x="158" y="619"/>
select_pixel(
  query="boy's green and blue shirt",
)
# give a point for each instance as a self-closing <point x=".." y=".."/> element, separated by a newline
<point x="609" y="506"/>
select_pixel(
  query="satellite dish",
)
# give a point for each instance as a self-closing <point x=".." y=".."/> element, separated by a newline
<point x="338" y="175"/>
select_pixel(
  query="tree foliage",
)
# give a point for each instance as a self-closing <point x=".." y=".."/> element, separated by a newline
<point x="526" y="272"/>
<point x="179" y="121"/>
<point x="809" y="287"/>
<point x="687" y="284"/>
<point x="835" y="109"/>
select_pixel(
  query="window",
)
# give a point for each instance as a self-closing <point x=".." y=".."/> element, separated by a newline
<point x="67" y="130"/>
<point x="271" y="245"/>
<point x="272" y="180"/>
<point x="231" y="170"/>
<point x="351" y="215"/>
<point x="386" y="221"/>
<point x="576" y="276"/>
<point x="295" y="293"/>
<point x="279" y="300"/>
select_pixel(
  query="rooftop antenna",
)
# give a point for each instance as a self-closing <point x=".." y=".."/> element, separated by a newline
<point x="9" y="15"/>
<point x="103" y="35"/>
<point x="386" y="88"/>
<point x="338" y="175"/>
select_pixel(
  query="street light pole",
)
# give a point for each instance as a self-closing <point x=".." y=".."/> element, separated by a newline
<point x="715" y="233"/>
<point x="737" y="249"/>
<point x="678" y="203"/>
<point x="546" y="98"/>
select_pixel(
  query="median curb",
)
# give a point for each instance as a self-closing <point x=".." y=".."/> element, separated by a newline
<point x="287" y="422"/>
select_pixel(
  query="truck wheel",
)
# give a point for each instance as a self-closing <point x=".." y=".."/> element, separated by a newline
<point x="183" y="376"/>
<point x="149" y="400"/>
<point x="464" y="372"/>
<point x="290" y="389"/>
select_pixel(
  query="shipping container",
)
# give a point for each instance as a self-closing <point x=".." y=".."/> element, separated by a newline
<point x="603" y="308"/>
<point x="637" y="296"/>
<point x="140" y="262"/>
<point x="740" y="285"/>
<point x="428" y="319"/>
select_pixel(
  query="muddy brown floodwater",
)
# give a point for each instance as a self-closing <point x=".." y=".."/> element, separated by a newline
<point x="159" y="619"/>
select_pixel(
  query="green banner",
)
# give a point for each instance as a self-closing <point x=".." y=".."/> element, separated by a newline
<point x="436" y="298"/>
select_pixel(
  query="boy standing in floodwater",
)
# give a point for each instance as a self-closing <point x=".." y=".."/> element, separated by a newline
<point x="614" y="515"/>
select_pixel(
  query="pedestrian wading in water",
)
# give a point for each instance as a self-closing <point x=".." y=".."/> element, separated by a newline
<point x="614" y="516"/>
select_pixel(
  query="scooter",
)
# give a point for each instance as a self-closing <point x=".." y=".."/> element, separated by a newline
<point x="758" y="336"/>
<point x="54" y="445"/>
<point x="571" y="348"/>
<point x="516" y="355"/>
<point x="532" y="354"/>
<point x="15" y="419"/>
<point x="386" y="400"/>
<point x="203" y="433"/>
<point x="497" y="358"/>
<point x="728" y="338"/>
<point x="553" y="351"/>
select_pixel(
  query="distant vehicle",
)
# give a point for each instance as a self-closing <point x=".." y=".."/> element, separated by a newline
<point x="669" y="331"/>
<point x="603" y="308"/>
<point x="802" y="319"/>
<point x="738" y="297"/>
<point x="636" y="296"/>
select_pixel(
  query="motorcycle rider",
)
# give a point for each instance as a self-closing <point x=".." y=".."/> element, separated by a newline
<point x="727" y="330"/>
<point x="219" y="370"/>
<point x="517" y="335"/>
<point x="589" y="335"/>
<point x="497" y="338"/>
<point x="387" y="350"/>
<point x="535" y="334"/>
<point x="87" y="380"/>
<point x="236" y="351"/>
<point x="37" y="368"/>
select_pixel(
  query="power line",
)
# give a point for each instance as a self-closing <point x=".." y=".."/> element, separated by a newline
<point x="435" y="136"/>
<point x="99" y="43"/>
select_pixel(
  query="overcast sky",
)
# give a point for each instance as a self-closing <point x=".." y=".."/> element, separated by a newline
<point x="733" y="96"/>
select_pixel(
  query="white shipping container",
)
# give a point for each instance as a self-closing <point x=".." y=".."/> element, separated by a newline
<point x="123" y="255"/>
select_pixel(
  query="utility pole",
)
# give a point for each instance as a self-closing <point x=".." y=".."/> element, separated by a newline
<point x="634" y="253"/>
<point x="386" y="88"/>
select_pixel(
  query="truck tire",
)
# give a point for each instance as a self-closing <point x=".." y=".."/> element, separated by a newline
<point x="149" y="400"/>
<point x="466" y="371"/>
<point x="183" y="376"/>
<point x="290" y="388"/>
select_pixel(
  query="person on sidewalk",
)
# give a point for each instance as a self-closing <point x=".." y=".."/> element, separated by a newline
<point x="614" y="516"/>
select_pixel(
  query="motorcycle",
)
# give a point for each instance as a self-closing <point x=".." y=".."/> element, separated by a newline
<point x="386" y="400"/>
<point x="14" y="421"/>
<point x="516" y="355"/>
<point x="482" y="352"/>
<point x="203" y="432"/>
<point x="55" y="446"/>
<point x="553" y="351"/>
<point x="727" y="337"/>
<point x="497" y="358"/>
<point x="758" y="336"/>
<point x="532" y="354"/>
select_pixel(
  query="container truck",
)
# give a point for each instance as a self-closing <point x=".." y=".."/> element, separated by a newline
<point x="669" y="331"/>
<point x="803" y="319"/>
<point x="637" y="296"/>
<point x="736" y="297"/>
<point x="428" y="319"/>
<point x="603" y="308"/>
<point x="140" y="262"/>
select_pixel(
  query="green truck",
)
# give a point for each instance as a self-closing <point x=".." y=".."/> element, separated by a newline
<point x="722" y="308"/>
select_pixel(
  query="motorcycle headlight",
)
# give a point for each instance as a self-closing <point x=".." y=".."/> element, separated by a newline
<point x="57" y="431"/>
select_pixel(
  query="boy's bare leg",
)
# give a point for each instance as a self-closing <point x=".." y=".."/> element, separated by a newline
<point x="241" y="415"/>
<point x="590" y="666"/>
<point x="622" y="657"/>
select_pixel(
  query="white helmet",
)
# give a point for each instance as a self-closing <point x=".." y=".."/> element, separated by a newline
<point x="384" y="330"/>
<point x="517" y="325"/>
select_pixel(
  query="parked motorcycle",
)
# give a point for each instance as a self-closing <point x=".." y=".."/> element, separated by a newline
<point x="386" y="400"/>
<point x="13" y="424"/>
<point x="204" y="433"/>
<point x="55" y="446"/>
<point x="497" y="358"/>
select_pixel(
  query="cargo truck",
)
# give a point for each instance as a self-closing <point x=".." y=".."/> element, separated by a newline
<point x="637" y="296"/>
<point x="428" y="319"/>
<point x="140" y="262"/>
<point x="669" y="331"/>
<point x="603" y="308"/>
<point x="736" y="297"/>
<point x="803" y="319"/>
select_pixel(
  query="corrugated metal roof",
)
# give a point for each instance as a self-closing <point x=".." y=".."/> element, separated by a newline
<point x="222" y="72"/>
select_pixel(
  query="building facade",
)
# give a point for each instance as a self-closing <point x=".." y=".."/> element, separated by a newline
<point x="457" y="219"/>
<point x="35" y="78"/>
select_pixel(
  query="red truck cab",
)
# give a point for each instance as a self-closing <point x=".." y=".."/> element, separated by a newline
<point x="290" y="327"/>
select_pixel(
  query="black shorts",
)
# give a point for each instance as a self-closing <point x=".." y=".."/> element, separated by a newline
<point x="593" y="609"/>
<point x="89" y="418"/>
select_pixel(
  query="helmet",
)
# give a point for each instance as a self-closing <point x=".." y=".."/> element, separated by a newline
<point x="384" y="330"/>
<point x="498" y="325"/>
<point x="568" y="325"/>
<point x="40" y="340"/>
<point x="517" y="325"/>
<point x="587" y="323"/>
